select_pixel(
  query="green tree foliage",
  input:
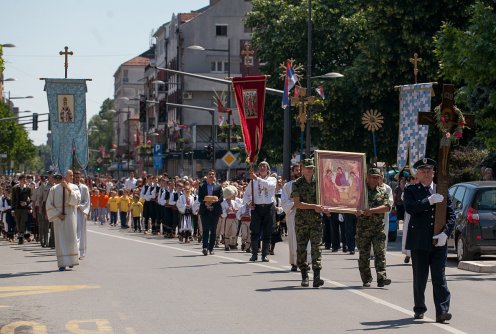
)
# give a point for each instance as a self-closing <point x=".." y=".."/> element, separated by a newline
<point x="101" y="128"/>
<point x="370" y="42"/>
<point x="468" y="57"/>
<point x="14" y="140"/>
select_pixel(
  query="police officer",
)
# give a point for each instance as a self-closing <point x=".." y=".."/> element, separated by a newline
<point x="420" y="202"/>
<point x="308" y="223"/>
<point x="370" y="230"/>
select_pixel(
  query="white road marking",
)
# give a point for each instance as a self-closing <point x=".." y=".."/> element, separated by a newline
<point x="395" y="307"/>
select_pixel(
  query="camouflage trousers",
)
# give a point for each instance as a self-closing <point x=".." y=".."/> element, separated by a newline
<point x="366" y="238"/>
<point x="305" y="232"/>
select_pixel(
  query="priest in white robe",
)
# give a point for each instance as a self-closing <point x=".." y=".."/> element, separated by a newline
<point x="64" y="220"/>
<point x="83" y="211"/>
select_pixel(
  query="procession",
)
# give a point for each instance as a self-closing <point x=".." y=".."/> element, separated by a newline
<point x="256" y="165"/>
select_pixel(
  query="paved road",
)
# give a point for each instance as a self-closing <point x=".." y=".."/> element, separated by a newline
<point x="134" y="283"/>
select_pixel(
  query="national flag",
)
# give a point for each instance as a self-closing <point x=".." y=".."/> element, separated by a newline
<point x="320" y="91"/>
<point x="290" y="81"/>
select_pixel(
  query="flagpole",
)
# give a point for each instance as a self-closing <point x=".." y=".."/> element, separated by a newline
<point x="309" y="79"/>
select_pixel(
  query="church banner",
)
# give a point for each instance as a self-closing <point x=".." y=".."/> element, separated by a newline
<point x="412" y="136"/>
<point x="250" y="99"/>
<point x="67" y="106"/>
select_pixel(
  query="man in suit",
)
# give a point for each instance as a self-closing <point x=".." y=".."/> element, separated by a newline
<point x="420" y="202"/>
<point x="210" y="211"/>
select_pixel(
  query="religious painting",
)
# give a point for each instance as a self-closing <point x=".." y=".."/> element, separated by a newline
<point x="250" y="103"/>
<point x="65" y="107"/>
<point x="341" y="181"/>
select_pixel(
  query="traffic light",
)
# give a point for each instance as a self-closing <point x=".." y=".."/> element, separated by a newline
<point x="35" y="121"/>
<point x="210" y="151"/>
<point x="142" y="111"/>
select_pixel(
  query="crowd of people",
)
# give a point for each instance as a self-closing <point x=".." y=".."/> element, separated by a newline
<point x="254" y="214"/>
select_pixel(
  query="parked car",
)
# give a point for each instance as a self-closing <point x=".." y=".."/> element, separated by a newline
<point x="474" y="204"/>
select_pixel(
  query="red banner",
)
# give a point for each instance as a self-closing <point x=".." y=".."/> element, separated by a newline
<point x="250" y="99"/>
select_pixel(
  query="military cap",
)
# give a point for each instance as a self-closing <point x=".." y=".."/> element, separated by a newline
<point x="424" y="163"/>
<point x="374" y="171"/>
<point x="308" y="162"/>
<point x="57" y="176"/>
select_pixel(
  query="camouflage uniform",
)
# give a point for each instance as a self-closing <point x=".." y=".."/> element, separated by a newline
<point x="308" y="225"/>
<point x="370" y="232"/>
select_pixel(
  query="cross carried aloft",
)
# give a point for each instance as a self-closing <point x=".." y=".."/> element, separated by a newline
<point x="66" y="53"/>
<point x="302" y="101"/>
<point x="448" y="119"/>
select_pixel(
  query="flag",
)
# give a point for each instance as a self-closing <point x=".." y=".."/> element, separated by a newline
<point x="221" y="120"/>
<point x="102" y="151"/>
<point x="320" y="91"/>
<point x="249" y="92"/>
<point x="290" y="81"/>
<point x="67" y="106"/>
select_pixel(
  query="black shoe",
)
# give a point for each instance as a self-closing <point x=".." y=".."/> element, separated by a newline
<point x="443" y="317"/>
<point x="382" y="282"/>
<point x="253" y="258"/>
<point x="407" y="259"/>
<point x="294" y="267"/>
<point x="227" y="249"/>
<point x="317" y="282"/>
<point x="334" y="250"/>
<point x="211" y="252"/>
<point x="345" y="250"/>
<point x="418" y="316"/>
<point x="352" y="253"/>
<point x="205" y="251"/>
<point x="366" y="284"/>
<point x="265" y="259"/>
<point x="304" y="279"/>
<point x="21" y="241"/>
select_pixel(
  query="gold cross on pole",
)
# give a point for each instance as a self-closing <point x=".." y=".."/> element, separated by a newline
<point x="302" y="102"/>
<point x="66" y="53"/>
<point x="247" y="54"/>
<point x="415" y="60"/>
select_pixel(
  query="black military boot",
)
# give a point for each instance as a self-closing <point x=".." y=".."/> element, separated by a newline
<point x="304" y="278"/>
<point x="317" y="282"/>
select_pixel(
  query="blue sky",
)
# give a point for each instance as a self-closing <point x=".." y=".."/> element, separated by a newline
<point x="102" y="34"/>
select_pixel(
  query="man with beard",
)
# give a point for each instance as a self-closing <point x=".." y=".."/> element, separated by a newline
<point x="62" y="203"/>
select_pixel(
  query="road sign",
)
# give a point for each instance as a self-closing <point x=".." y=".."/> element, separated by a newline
<point x="157" y="150"/>
<point x="229" y="159"/>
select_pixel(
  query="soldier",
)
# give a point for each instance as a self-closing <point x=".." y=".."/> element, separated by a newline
<point x="370" y="230"/>
<point x="308" y="223"/>
<point x="420" y="202"/>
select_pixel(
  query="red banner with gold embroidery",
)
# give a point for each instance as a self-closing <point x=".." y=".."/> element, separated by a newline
<point x="250" y="99"/>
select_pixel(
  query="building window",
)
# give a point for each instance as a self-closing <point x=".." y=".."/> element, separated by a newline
<point x="219" y="67"/>
<point x="221" y="30"/>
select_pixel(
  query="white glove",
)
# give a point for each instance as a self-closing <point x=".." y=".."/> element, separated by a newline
<point x="435" y="198"/>
<point x="441" y="239"/>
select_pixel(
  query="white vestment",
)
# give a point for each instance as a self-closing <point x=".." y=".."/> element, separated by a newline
<point x="83" y="211"/>
<point x="287" y="204"/>
<point x="65" y="230"/>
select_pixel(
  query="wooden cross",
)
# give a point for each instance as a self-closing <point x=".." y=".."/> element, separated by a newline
<point x="442" y="171"/>
<point x="247" y="54"/>
<point x="415" y="60"/>
<point x="66" y="53"/>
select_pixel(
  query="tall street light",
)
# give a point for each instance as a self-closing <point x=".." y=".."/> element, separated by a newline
<point x="228" y="50"/>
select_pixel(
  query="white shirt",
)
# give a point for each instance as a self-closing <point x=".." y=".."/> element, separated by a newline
<point x="264" y="190"/>
<point x="236" y="204"/>
<point x="130" y="184"/>
<point x="148" y="192"/>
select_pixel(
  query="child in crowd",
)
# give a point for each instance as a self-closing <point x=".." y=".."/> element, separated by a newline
<point x="136" y="212"/>
<point x="244" y="215"/>
<point x="113" y="207"/>
<point x="230" y="205"/>
<point x="124" y="204"/>
<point x="95" y="199"/>
<point x="102" y="206"/>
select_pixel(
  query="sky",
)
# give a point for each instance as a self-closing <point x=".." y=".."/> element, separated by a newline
<point x="103" y="34"/>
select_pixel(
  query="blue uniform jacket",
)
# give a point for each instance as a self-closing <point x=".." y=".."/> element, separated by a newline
<point x="421" y="226"/>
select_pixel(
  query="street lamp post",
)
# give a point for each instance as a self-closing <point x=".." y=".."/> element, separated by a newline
<point x="126" y="101"/>
<point x="228" y="50"/>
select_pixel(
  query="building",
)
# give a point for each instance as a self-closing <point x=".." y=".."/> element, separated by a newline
<point x="211" y="41"/>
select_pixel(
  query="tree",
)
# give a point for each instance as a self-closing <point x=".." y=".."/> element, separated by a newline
<point x="101" y="128"/>
<point x="468" y="58"/>
<point x="370" y="42"/>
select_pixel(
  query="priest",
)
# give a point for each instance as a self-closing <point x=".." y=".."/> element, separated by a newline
<point x="62" y="203"/>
